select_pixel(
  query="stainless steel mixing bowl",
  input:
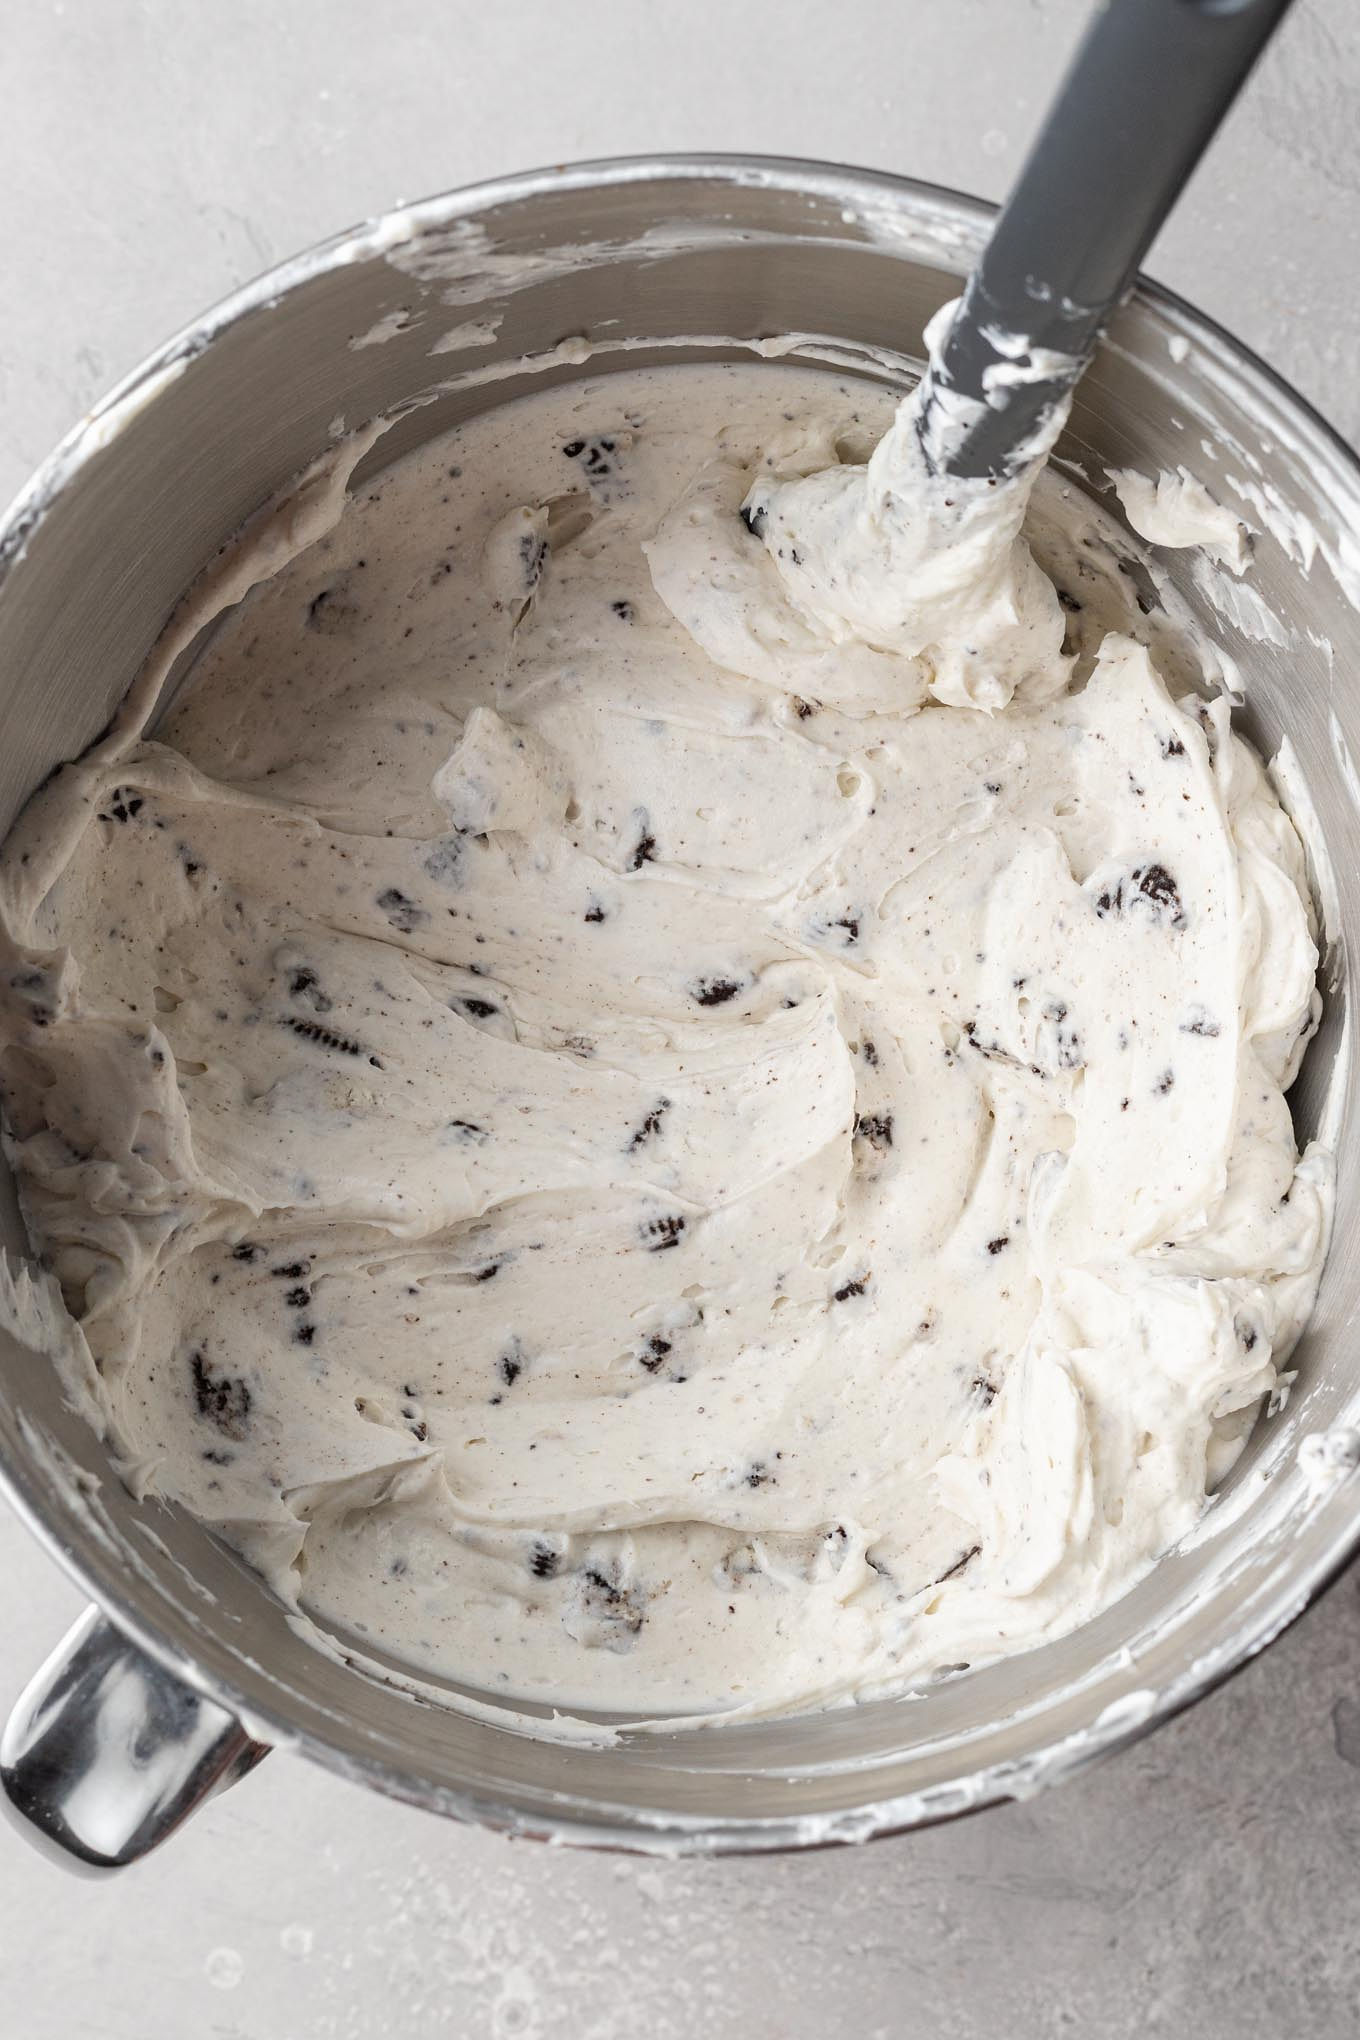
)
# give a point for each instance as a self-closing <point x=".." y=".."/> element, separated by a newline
<point x="187" y="1666"/>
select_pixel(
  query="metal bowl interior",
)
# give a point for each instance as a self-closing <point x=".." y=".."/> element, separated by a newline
<point x="112" y="530"/>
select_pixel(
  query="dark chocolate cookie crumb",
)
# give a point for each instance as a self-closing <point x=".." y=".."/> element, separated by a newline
<point x="999" y="1244"/>
<point x="876" y="1128"/>
<point x="533" y="554"/>
<point x="219" y="1399"/>
<point x="467" y="1132"/>
<point x="402" y="913"/>
<point x="443" y="862"/>
<point x="544" y="1562"/>
<point x="1066" y="1040"/>
<point x="595" y="455"/>
<point x="1156" y="885"/>
<point x="657" y="1349"/>
<point x="326" y="1037"/>
<point x="303" y="984"/>
<point x="715" y="991"/>
<point x="124" y="807"/>
<point x="651" y="1125"/>
<point x="855" y="1287"/>
<point x="643" y="851"/>
<point x="661" y="1233"/>
<point x="754" y="520"/>
<point x="609" y="1603"/>
<point x="1150" y="890"/>
<point x="37" y="989"/>
<point x="966" y="1558"/>
<point x="624" y="611"/>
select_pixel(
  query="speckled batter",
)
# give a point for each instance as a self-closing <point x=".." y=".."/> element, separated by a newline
<point x="648" y="1096"/>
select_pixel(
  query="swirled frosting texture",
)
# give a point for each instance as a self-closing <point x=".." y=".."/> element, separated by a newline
<point x="650" y="1096"/>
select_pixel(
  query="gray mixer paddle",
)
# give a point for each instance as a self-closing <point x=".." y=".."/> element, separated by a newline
<point x="1148" y="87"/>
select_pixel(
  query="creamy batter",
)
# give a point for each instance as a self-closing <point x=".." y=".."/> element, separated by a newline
<point x="1177" y="510"/>
<point x="661" y="1093"/>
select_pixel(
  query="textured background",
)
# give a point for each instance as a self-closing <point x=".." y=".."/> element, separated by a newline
<point x="154" y="155"/>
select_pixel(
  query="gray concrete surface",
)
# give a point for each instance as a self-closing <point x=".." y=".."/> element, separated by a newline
<point x="153" y="155"/>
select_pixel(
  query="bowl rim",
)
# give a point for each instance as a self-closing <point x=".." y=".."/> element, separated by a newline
<point x="590" y="1820"/>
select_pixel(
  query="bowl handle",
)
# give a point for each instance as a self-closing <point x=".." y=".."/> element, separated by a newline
<point x="106" y="1753"/>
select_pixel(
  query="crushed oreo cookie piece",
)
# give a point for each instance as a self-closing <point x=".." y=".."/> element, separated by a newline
<point x="715" y="991"/>
<point x="220" y="1399"/>
<point x="303" y="984"/>
<point x="402" y="913"/>
<point x="124" y="807"/>
<point x="596" y="455"/>
<point x="616" y="1610"/>
<point x="326" y="1037"/>
<point x="1149" y="890"/>
<point x="533" y="557"/>
<point x="510" y="1366"/>
<point x="953" y="1571"/>
<point x="37" y="989"/>
<point x="651" y="1125"/>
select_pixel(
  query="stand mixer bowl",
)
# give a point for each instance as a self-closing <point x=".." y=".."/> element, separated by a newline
<point x="188" y="1667"/>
